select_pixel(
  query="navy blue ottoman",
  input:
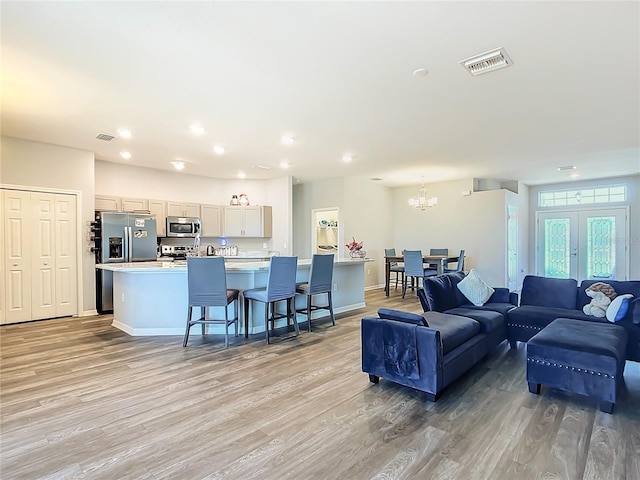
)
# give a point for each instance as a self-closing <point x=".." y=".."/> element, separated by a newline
<point x="578" y="356"/>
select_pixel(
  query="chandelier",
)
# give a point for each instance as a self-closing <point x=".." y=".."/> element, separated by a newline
<point x="422" y="202"/>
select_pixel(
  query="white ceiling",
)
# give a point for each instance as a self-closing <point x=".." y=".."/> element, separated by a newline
<point x="337" y="76"/>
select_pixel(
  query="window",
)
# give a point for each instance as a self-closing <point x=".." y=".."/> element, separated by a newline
<point x="584" y="196"/>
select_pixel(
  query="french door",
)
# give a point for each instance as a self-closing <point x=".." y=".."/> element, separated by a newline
<point x="585" y="244"/>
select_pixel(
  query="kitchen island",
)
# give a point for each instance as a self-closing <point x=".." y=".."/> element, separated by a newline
<point x="150" y="298"/>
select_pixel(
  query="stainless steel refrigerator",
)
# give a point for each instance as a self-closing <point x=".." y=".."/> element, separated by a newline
<point x="121" y="238"/>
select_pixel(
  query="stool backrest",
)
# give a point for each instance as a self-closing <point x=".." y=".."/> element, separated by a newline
<point x="438" y="251"/>
<point x="413" y="266"/>
<point x="321" y="275"/>
<point x="281" y="283"/>
<point x="207" y="281"/>
<point x="461" y="261"/>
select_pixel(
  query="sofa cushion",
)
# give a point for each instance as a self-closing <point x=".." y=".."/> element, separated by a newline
<point x="454" y="330"/>
<point x="439" y="293"/>
<point x="502" y="308"/>
<point x="488" y="320"/>
<point x="533" y="316"/>
<point x="475" y="288"/>
<point x="549" y="292"/>
<point x="574" y="345"/>
<point x="400" y="316"/>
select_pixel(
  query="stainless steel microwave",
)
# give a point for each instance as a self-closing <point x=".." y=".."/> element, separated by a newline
<point x="183" y="227"/>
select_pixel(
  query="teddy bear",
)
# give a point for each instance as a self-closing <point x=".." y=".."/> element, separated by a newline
<point x="601" y="295"/>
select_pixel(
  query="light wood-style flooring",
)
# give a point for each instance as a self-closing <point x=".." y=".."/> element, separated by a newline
<point x="81" y="399"/>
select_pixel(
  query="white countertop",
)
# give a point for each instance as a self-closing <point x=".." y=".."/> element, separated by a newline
<point x="181" y="266"/>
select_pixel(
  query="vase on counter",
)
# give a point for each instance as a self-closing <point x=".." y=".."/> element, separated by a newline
<point x="358" y="254"/>
<point x="234" y="200"/>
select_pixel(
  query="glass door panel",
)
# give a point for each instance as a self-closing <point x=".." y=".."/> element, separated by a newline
<point x="588" y="244"/>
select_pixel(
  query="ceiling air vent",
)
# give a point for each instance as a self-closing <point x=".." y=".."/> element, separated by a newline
<point x="105" y="136"/>
<point x="487" y="61"/>
<point x="261" y="167"/>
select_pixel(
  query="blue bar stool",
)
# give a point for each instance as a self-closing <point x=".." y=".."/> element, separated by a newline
<point x="281" y="285"/>
<point x="320" y="280"/>
<point x="207" y="284"/>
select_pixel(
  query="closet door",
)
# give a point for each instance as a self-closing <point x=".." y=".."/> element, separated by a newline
<point x="66" y="276"/>
<point x="17" y="258"/>
<point x="43" y="256"/>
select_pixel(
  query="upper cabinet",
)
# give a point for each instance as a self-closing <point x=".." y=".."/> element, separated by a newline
<point x="251" y="221"/>
<point x="177" y="209"/>
<point x="106" y="203"/>
<point x="135" y="205"/>
<point x="211" y="220"/>
<point x="159" y="209"/>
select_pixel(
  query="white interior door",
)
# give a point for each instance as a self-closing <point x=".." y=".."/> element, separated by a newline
<point x="585" y="244"/>
<point x="66" y="280"/>
<point x="43" y="259"/>
<point x="17" y="258"/>
<point x="512" y="247"/>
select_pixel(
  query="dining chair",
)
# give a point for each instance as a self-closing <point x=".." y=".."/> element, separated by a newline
<point x="395" y="267"/>
<point x="432" y="269"/>
<point x="413" y="269"/>
<point x="281" y="286"/>
<point x="460" y="265"/>
<point x="320" y="280"/>
<point x="207" y="287"/>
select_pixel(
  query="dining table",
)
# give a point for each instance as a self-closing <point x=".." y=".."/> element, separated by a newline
<point x="441" y="262"/>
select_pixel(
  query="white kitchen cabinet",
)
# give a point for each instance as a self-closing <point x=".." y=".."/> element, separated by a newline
<point x="39" y="233"/>
<point x="178" y="209"/>
<point x="135" y="204"/>
<point x="211" y="220"/>
<point x="159" y="209"/>
<point x="106" y="203"/>
<point x="250" y="221"/>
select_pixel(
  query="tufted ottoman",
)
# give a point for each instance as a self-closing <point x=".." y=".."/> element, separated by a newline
<point x="580" y="357"/>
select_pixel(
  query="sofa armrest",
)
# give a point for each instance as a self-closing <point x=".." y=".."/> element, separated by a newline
<point x="428" y="351"/>
<point x="514" y="298"/>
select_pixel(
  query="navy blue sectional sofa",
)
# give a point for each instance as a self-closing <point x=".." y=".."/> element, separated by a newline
<point x="542" y="300"/>
<point x="430" y="351"/>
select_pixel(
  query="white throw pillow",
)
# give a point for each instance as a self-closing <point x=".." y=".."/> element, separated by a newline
<point x="475" y="288"/>
<point x="619" y="307"/>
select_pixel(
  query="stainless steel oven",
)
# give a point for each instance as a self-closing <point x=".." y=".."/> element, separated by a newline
<point x="183" y="227"/>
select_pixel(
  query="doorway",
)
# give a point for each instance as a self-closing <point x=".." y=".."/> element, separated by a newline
<point x="585" y="244"/>
<point x="326" y="236"/>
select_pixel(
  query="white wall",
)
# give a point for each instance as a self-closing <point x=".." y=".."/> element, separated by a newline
<point x="365" y="213"/>
<point x="42" y="165"/>
<point x="633" y="202"/>
<point x="475" y="223"/>
<point x="139" y="182"/>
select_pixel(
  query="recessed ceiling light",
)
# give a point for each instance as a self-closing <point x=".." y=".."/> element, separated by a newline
<point x="574" y="175"/>
<point x="347" y="157"/>
<point x="420" y="72"/>
<point x="125" y="155"/>
<point x="178" y="165"/>
<point x="284" y="164"/>
<point x="219" y="149"/>
<point x="197" y="129"/>
<point x="288" y="139"/>
<point x="124" y="133"/>
<point x="242" y="175"/>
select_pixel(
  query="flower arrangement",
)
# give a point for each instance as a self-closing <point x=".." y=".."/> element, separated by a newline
<point x="355" y="249"/>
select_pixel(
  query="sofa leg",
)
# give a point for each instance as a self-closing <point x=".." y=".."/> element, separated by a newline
<point x="513" y="344"/>
<point x="374" y="378"/>
<point x="432" y="397"/>
<point x="534" y="387"/>
<point x="606" y="407"/>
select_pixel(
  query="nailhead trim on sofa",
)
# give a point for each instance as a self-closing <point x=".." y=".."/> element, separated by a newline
<point x="568" y="367"/>
<point x="531" y="327"/>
